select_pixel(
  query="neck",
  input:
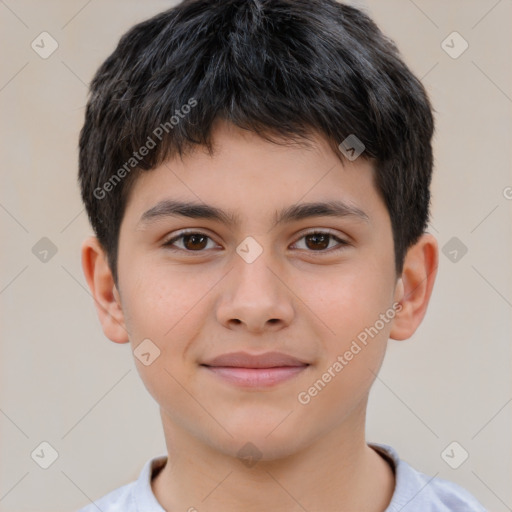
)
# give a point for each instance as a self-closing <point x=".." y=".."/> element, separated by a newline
<point x="338" y="472"/>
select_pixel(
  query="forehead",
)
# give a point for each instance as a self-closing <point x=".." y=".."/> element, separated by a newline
<point x="247" y="175"/>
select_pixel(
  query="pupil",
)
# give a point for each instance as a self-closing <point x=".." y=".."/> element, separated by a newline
<point x="194" y="238"/>
<point x="320" y="236"/>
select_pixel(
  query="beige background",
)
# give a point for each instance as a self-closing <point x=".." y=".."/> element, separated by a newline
<point x="64" y="382"/>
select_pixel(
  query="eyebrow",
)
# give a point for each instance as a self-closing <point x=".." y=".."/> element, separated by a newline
<point x="171" y="208"/>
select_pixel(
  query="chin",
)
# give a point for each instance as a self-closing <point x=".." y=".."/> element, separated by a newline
<point x="251" y="450"/>
<point x="263" y="442"/>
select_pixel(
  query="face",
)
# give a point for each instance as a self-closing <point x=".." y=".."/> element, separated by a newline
<point x="307" y="286"/>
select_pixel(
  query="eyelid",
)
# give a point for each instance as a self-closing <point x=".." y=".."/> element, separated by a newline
<point x="189" y="231"/>
<point x="321" y="231"/>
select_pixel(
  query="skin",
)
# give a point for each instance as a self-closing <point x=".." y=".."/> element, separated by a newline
<point x="299" y="297"/>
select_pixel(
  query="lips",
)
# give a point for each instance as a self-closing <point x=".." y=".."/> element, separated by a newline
<point x="255" y="371"/>
<point x="246" y="360"/>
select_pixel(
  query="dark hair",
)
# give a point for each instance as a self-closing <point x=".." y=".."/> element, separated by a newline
<point x="283" y="69"/>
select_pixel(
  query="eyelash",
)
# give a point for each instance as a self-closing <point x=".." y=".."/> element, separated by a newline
<point x="342" y="243"/>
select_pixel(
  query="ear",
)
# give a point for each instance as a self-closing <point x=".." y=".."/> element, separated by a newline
<point x="414" y="287"/>
<point x="106" y="296"/>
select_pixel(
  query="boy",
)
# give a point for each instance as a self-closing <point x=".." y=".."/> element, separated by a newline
<point x="257" y="174"/>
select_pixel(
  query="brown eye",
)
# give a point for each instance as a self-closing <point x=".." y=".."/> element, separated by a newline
<point x="190" y="242"/>
<point x="194" y="242"/>
<point x="320" y="241"/>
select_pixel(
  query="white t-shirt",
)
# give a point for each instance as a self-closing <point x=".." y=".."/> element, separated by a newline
<point x="414" y="491"/>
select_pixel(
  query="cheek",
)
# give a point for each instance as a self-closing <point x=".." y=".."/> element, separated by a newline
<point x="167" y="310"/>
<point x="356" y="312"/>
<point x="351" y="357"/>
<point x="349" y="300"/>
<point x="162" y="301"/>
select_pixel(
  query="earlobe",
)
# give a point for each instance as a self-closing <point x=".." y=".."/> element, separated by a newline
<point x="106" y="296"/>
<point x="414" y="288"/>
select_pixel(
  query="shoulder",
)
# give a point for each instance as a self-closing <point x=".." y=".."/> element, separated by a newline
<point x="416" y="491"/>
<point x="120" y="499"/>
<point x="135" y="496"/>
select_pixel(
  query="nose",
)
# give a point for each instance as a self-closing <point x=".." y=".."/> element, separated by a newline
<point x="255" y="297"/>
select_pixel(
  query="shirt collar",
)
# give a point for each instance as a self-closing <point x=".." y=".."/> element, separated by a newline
<point x="146" y="501"/>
